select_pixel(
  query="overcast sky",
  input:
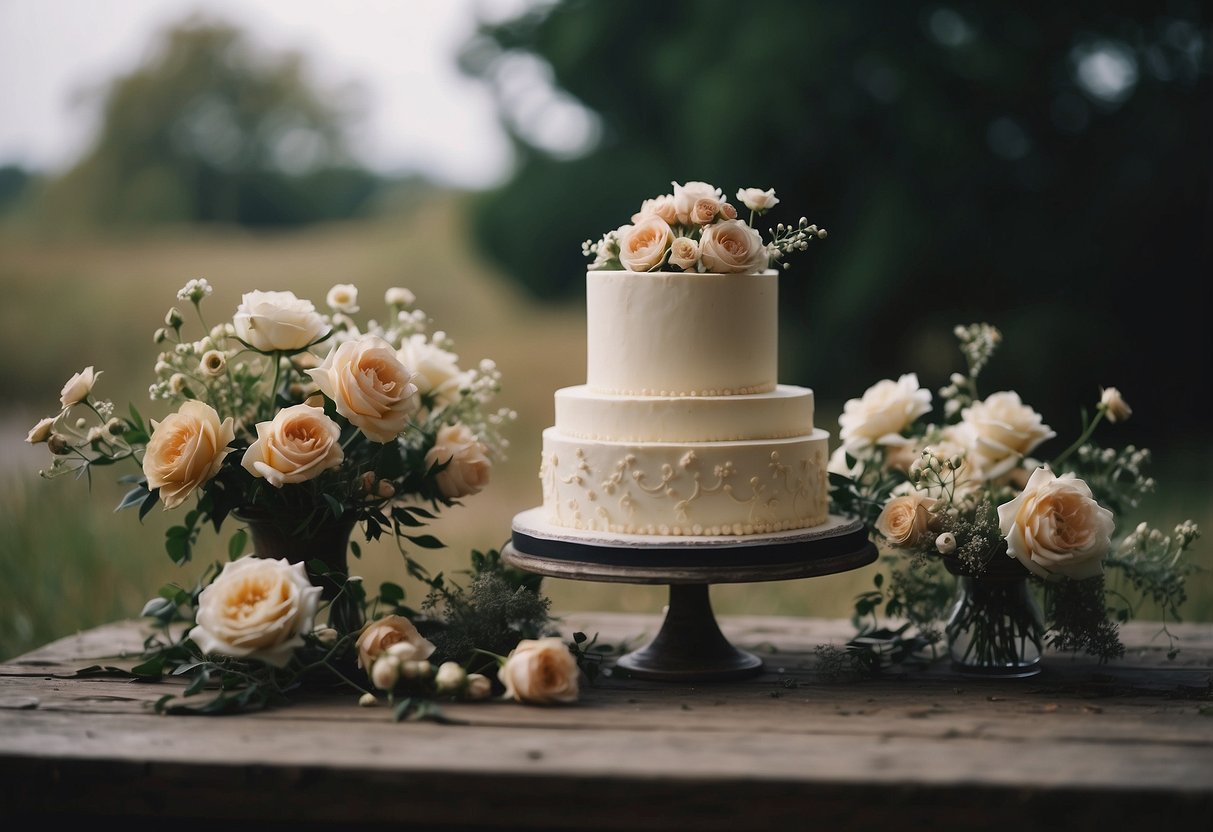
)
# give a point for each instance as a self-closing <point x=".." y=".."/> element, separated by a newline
<point x="422" y="113"/>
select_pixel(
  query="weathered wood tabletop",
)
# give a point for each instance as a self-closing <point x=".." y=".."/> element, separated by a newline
<point x="1123" y="745"/>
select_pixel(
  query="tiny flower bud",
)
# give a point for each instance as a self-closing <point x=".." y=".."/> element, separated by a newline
<point x="327" y="636"/>
<point x="368" y="700"/>
<point x="478" y="686"/>
<point x="450" y="677"/>
<point x="386" y="490"/>
<point x="173" y="319"/>
<point x="1113" y="405"/>
<point x="386" y="672"/>
<point x="402" y="650"/>
<point x="160" y="335"/>
<point x="80" y="423"/>
<point x="213" y="363"/>
<point x="57" y="444"/>
<point x="946" y="543"/>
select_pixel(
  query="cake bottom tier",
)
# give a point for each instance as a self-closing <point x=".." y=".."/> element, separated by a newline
<point x="692" y="488"/>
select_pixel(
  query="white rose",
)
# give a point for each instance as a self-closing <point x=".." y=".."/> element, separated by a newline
<point x="78" y="387"/>
<point x="186" y="449"/>
<point x="684" y="253"/>
<point x="469" y="465"/>
<point x="298" y="445"/>
<point x="685" y="196"/>
<point x="277" y="321"/>
<point x="906" y="519"/>
<point x="731" y="246"/>
<point x="662" y="206"/>
<point x="436" y="373"/>
<point x="1055" y="527"/>
<point x="343" y="298"/>
<point x="643" y="246"/>
<point x="379" y="635"/>
<point x="1113" y="405"/>
<point x="885" y="410"/>
<point x="369" y="385"/>
<point x="758" y="200"/>
<point x="256" y="609"/>
<point x="999" y="431"/>
<point x="540" y="672"/>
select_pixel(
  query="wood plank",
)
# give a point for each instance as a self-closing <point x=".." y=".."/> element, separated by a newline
<point x="1095" y="745"/>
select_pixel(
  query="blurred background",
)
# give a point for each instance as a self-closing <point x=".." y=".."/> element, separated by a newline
<point x="1044" y="167"/>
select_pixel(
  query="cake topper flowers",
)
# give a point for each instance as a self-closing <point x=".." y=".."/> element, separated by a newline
<point x="696" y="229"/>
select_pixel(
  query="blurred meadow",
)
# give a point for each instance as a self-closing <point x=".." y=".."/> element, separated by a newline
<point x="211" y="160"/>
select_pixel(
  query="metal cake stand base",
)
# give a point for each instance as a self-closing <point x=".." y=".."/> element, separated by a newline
<point x="689" y="647"/>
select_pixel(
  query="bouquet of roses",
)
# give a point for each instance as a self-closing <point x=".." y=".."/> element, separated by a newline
<point x="302" y="425"/>
<point x="696" y="229"/>
<point x="1033" y="545"/>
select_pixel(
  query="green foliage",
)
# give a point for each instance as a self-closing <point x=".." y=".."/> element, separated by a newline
<point x="961" y="155"/>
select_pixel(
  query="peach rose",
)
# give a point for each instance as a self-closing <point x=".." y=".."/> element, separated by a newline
<point x="378" y="635"/>
<point x="256" y="609"/>
<point x="541" y="672"/>
<point x="999" y="431"/>
<point x="186" y="449"/>
<point x="731" y="246"/>
<point x="642" y="247"/>
<point x="662" y="206"/>
<point x="684" y="253"/>
<point x="469" y="465"/>
<point x="705" y="210"/>
<point x="369" y="385"/>
<point x="298" y="445"/>
<point x="905" y="520"/>
<point x="1055" y="527"/>
<point x="685" y="196"/>
<point x="277" y="321"/>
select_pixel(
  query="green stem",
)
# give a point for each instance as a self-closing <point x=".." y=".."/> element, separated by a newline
<point x="1079" y="442"/>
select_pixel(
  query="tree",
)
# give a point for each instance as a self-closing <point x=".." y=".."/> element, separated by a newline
<point x="212" y="129"/>
<point x="1045" y="167"/>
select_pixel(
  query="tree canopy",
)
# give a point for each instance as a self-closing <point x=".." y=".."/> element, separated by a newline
<point x="1045" y="167"/>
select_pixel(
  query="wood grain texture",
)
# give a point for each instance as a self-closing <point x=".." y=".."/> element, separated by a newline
<point x="1082" y="746"/>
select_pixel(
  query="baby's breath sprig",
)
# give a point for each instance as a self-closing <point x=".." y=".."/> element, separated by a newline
<point x="978" y="342"/>
<point x="786" y="239"/>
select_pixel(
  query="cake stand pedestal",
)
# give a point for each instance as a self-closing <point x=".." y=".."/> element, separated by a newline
<point x="689" y="647"/>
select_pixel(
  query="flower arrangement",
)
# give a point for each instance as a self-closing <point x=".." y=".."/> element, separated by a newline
<point x="989" y="546"/>
<point x="695" y="229"/>
<point x="301" y="426"/>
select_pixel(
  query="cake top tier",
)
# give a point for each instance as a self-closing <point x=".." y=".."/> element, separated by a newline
<point x="681" y="333"/>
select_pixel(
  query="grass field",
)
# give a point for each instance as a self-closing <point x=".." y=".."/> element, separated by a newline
<point x="67" y="562"/>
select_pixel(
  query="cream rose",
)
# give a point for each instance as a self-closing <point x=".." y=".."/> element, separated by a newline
<point x="41" y="431"/>
<point x="298" y="445"/>
<point x="685" y="196"/>
<point x="277" y="321"/>
<point x="684" y="253"/>
<point x="78" y="387"/>
<point x="732" y="247"/>
<point x="705" y="210"/>
<point x="256" y="609"/>
<point x="369" y="385"/>
<point x="758" y="200"/>
<point x="1055" y="528"/>
<point x="379" y="635"/>
<point x="905" y="520"/>
<point x="662" y="206"/>
<point x="187" y="449"/>
<point x="436" y="372"/>
<point x="999" y="431"/>
<point x="540" y="672"/>
<point x="642" y="247"/>
<point x="469" y="465"/>
<point x="885" y="410"/>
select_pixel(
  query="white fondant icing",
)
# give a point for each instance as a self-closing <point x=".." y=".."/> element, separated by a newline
<point x="784" y="412"/>
<point x="681" y="333"/>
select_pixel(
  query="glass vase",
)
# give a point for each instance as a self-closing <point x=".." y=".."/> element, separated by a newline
<point x="995" y="628"/>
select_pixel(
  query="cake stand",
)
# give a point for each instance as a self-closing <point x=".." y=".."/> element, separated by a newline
<point x="689" y="646"/>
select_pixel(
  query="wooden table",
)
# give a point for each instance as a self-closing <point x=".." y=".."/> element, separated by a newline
<point x="1122" y="746"/>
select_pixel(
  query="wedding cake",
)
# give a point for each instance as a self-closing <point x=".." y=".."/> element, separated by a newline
<point x="681" y="427"/>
